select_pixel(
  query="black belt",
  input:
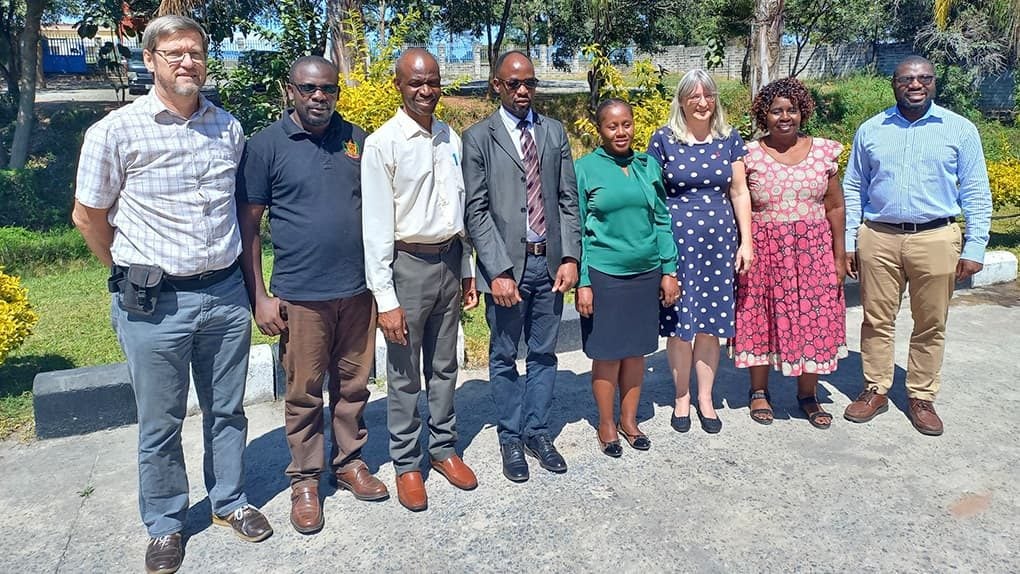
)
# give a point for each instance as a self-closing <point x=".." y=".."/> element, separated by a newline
<point x="425" y="248"/>
<point x="190" y="282"/>
<point x="917" y="227"/>
<point x="535" y="248"/>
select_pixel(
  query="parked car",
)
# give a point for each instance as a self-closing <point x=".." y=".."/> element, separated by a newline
<point x="139" y="77"/>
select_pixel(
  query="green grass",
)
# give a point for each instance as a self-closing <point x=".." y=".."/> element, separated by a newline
<point x="1006" y="230"/>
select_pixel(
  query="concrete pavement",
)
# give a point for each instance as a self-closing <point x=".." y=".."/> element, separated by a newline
<point x="878" y="497"/>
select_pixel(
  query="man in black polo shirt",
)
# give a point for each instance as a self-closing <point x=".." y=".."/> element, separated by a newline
<point x="306" y="169"/>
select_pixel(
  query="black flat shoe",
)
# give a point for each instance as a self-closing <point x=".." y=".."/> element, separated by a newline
<point x="611" y="448"/>
<point x="710" y="425"/>
<point x="680" y="424"/>
<point x="636" y="441"/>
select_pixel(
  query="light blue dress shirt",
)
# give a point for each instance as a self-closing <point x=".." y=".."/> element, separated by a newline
<point x="903" y="172"/>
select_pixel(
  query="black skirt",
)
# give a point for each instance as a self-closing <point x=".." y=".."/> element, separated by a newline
<point x="625" y="321"/>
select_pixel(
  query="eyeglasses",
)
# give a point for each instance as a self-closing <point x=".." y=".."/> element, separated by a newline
<point x="513" y="84"/>
<point x="309" y="89"/>
<point x="925" y="80"/>
<point x="707" y="97"/>
<point x="175" y="58"/>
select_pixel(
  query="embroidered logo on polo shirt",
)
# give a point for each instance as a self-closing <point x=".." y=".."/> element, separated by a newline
<point x="351" y="149"/>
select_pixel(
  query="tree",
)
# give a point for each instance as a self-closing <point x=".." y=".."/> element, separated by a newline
<point x="818" y="22"/>
<point x="27" y="49"/>
<point x="478" y="19"/>
<point x="766" y="31"/>
<point x="345" y="19"/>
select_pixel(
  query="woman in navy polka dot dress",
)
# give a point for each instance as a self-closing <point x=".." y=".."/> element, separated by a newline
<point x="703" y="171"/>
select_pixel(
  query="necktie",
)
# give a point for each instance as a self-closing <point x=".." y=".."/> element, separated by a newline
<point x="536" y="211"/>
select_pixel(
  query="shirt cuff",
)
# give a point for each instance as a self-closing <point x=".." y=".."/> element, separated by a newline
<point x="851" y="241"/>
<point x="974" y="253"/>
<point x="386" y="300"/>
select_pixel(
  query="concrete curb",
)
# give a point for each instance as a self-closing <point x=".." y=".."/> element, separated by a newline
<point x="84" y="400"/>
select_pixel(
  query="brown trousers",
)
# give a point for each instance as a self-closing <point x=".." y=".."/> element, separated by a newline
<point x="333" y="338"/>
<point x="925" y="263"/>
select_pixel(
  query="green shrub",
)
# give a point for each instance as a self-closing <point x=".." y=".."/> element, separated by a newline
<point x="16" y="316"/>
<point x="22" y="250"/>
<point x="844" y="104"/>
<point x="32" y="198"/>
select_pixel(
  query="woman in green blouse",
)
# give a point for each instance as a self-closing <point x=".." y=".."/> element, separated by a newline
<point x="628" y="265"/>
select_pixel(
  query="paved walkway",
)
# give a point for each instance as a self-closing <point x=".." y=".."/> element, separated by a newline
<point x="783" y="498"/>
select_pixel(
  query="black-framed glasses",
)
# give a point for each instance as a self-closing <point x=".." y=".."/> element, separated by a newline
<point x="925" y="80"/>
<point x="513" y="84"/>
<point x="309" y="89"/>
<point x="175" y="58"/>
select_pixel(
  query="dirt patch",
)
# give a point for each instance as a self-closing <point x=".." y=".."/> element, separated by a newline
<point x="1004" y="295"/>
<point x="970" y="505"/>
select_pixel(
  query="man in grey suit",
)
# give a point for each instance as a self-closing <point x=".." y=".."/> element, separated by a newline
<point x="522" y="215"/>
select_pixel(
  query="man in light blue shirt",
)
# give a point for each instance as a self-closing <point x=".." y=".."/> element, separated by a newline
<point x="912" y="169"/>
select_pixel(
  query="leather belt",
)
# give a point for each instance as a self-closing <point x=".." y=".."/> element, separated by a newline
<point x="191" y="282"/>
<point x="918" y="227"/>
<point x="535" y="248"/>
<point x="425" y="248"/>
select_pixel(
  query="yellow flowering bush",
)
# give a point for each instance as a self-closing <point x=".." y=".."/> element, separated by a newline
<point x="1004" y="178"/>
<point x="16" y="315"/>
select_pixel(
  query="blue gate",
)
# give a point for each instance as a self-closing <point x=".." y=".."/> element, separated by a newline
<point x="64" y="56"/>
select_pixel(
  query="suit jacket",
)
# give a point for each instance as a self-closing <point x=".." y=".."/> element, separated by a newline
<point x="496" y="213"/>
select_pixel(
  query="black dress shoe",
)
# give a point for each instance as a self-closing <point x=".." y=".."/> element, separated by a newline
<point x="709" y="425"/>
<point x="164" y="554"/>
<point x="515" y="467"/>
<point x="680" y="424"/>
<point x="541" y="447"/>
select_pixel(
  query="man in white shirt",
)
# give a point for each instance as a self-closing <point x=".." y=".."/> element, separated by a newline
<point x="417" y="262"/>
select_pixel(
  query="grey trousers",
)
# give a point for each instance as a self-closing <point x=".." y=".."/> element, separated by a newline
<point x="428" y="288"/>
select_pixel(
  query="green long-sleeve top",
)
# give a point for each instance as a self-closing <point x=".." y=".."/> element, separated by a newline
<point x="625" y="225"/>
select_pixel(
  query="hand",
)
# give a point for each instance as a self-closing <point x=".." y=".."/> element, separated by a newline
<point x="469" y="295"/>
<point x="504" y="291"/>
<point x="584" y="301"/>
<point x="850" y="264"/>
<point x="270" y="316"/>
<point x="394" y="325"/>
<point x="745" y="256"/>
<point x="965" y="268"/>
<point x="840" y="259"/>
<point x="669" y="290"/>
<point x="566" y="276"/>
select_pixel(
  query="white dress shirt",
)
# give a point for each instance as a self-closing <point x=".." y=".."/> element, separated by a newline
<point x="412" y="191"/>
<point x="511" y="121"/>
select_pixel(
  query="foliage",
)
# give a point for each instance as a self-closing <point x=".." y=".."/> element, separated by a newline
<point x="817" y="22"/>
<point x="253" y="92"/>
<point x="958" y="89"/>
<point x="1004" y="178"/>
<point x="844" y="104"/>
<point x="24" y="251"/>
<point x="16" y="315"/>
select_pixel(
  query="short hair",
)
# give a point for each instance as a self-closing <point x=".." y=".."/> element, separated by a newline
<point x="167" y="26"/>
<point x="790" y="88"/>
<point x="317" y="60"/>
<point x="608" y="103"/>
<point x="678" y="123"/>
<point x="502" y="58"/>
<point x="912" y="59"/>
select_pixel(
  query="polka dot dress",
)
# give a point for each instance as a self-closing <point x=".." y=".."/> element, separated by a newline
<point x="697" y="179"/>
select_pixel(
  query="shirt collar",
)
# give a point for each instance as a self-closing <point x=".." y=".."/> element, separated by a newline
<point x="634" y="157"/>
<point x="934" y="111"/>
<point x="411" y="128"/>
<point x="511" y="120"/>
<point x="293" y="130"/>
<point x="154" y="106"/>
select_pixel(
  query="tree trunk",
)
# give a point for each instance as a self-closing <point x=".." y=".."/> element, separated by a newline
<point x="503" y="21"/>
<point x="26" y="99"/>
<point x="765" y="35"/>
<point x="345" y="40"/>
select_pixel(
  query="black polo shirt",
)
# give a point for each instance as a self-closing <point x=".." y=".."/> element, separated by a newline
<point x="313" y="191"/>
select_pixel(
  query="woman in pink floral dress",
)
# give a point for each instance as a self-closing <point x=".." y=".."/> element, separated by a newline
<point x="790" y="311"/>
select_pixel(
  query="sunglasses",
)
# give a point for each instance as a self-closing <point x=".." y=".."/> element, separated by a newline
<point x="925" y="80"/>
<point x="514" y="84"/>
<point x="309" y="89"/>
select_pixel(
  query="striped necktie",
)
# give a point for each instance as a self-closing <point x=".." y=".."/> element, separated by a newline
<point x="536" y="211"/>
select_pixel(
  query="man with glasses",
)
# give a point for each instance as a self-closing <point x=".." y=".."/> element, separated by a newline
<point x="306" y="168"/>
<point x="522" y="215"/>
<point x="155" y="202"/>
<point x="418" y="264"/>
<point x="913" y="168"/>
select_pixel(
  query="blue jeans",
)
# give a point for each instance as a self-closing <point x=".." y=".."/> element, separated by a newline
<point x="522" y="407"/>
<point x="207" y="332"/>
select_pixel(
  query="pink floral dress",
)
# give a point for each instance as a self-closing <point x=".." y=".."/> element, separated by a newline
<point x="790" y="311"/>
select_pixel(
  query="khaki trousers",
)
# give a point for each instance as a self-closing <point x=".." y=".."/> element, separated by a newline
<point x="334" y="338"/>
<point x="890" y="260"/>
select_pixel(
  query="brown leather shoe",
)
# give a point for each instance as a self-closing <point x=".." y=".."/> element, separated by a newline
<point x="362" y="484"/>
<point x="305" y="508"/>
<point x="247" y="523"/>
<point x="458" y="473"/>
<point x="924" y="418"/>
<point x="164" y="554"/>
<point x="411" y="491"/>
<point x="867" y="406"/>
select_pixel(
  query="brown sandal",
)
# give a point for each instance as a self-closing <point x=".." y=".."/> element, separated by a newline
<point x="812" y="414"/>
<point x="761" y="416"/>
